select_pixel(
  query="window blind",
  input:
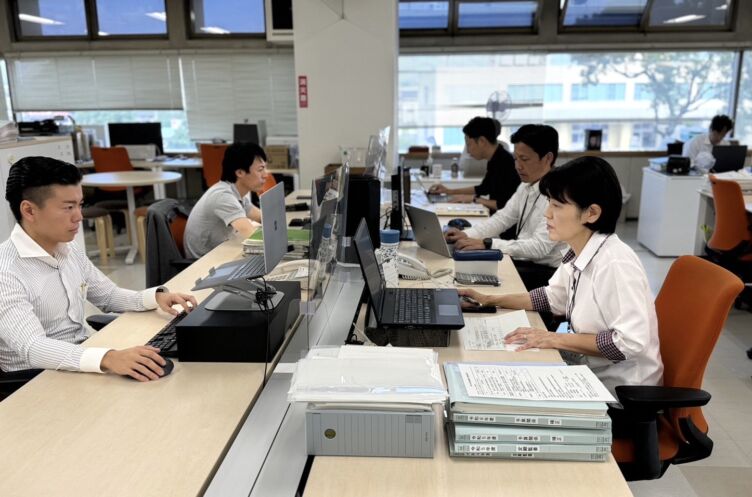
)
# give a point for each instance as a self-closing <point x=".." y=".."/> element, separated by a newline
<point x="94" y="82"/>
<point x="222" y="89"/>
<point x="4" y="110"/>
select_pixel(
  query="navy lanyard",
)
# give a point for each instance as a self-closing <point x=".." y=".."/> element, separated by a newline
<point x="576" y="283"/>
<point x="523" y="219"/>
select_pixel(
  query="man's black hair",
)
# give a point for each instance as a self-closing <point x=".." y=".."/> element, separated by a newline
<point x="540" y="137"/>
<point x="583" y="182"/>
<point x="482" y="126"/>
<point x="30" y="179"/>
<point x="240" y="155"/>
<point x="721" y="122"/>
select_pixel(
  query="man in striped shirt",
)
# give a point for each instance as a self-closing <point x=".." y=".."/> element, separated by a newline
<point x="45" y="278"/>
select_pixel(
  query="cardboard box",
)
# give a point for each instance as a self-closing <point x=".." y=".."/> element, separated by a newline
<point x="278" y="156"/>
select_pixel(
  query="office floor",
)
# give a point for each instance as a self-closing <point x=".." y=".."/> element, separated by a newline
<point x="728" y="471"/>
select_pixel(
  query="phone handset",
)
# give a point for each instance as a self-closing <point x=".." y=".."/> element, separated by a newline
<point x="411" y="268"/>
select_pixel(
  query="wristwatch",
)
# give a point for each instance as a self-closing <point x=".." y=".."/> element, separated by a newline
<point x="487" y="242"/>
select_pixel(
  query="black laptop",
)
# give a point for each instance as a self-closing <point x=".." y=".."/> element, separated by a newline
<point x="435" y="308"/>
<point x="729" y="158"/>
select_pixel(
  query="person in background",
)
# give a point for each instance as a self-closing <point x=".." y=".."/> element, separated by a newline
<point x="500" y="181"/>
<point x="601" y="287"/>
<point x="536" y="257"/>
<point x="226" y="206"/>
<point x="700" y="148"/>
<point x="45" y="278"/>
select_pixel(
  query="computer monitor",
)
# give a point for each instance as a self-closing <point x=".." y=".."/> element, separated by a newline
<point x="729" y="157"/>
<point x="376" y="154"/>
<point x="245" y="133"/>
<point x="136" y="134"/>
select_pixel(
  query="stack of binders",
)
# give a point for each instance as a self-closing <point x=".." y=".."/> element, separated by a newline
<point x="524" y="429"/>
<point x="298" y="242"/>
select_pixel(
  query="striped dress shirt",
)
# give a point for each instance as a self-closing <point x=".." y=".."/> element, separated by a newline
<point x="42" y="305"/>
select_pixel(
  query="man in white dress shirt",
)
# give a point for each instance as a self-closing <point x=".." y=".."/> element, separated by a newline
<point x="704" y="143"/>
<point x="45" y="278"/>
<point x="536" y="257"/>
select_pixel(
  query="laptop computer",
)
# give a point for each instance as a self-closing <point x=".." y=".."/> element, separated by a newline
<point x="275" y="245"/>
<point x="432" y="197"/>
<point x="428" y="232"/>
<point x="729" y="157"/>
<point x="435" y="308"/>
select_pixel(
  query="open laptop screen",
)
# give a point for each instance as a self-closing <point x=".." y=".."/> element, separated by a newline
<point x="274" y="226"/>
<point x="370" y="267"/>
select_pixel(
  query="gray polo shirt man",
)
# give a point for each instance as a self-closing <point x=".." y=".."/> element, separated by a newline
<point x="210" y="219"/>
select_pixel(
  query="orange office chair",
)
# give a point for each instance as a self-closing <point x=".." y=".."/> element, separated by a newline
<point x="669" y="427"/>
<point x="110" y="160"/>
<point x="165" y="230"/>
<point x="211" y="157"/>
<point x="271" y="182"/>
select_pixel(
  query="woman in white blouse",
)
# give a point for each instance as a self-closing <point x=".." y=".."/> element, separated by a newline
<point x="601" y="287"/>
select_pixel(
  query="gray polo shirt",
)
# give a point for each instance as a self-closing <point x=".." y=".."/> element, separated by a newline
<point x="209" y="222"/>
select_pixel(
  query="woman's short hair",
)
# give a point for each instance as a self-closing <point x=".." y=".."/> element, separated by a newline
<point x="240" y="155"/>
<point x="583" y="182"/>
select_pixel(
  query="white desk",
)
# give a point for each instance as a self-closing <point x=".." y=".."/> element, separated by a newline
<point x="129" y="179"/>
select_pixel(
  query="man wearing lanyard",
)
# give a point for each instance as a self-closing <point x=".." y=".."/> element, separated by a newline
<point x="535" y="256"/>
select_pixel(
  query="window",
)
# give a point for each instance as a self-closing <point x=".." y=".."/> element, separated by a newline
<point x="497" y="15"/>
<point x="743" y="126"/>
<point x="643" y="100"/>
<point x="601" y="13"/>
<point x="598" y="92"/>
<point x="174" y="124"/>
<point x="687" y="13"/>
<point x="227" y="17"/>
<point x="423" y="15"/>
<point x="50" y="18"/>
<point x="134" y="17"/>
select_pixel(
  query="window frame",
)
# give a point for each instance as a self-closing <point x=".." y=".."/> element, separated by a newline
<point x="193" y="34"/>
<point x="533" y="29"/>
<point x="451" y="16"/>
<point x="92" y="25"/>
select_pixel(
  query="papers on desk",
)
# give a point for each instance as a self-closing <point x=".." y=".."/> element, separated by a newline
<point x="538" y="383"/>
<point x="352" y="374"/>
<point x="447" y="209"/>
<point x="743" y="177"/>
<point x="489" y="333"/>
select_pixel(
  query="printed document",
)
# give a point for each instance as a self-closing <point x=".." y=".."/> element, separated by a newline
<point x="572" y="383"/>
<point x="489" y="333"/>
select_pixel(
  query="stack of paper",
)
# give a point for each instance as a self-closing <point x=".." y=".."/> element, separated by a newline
<point x="488" y="333"/>
<point x="743" y="177"/>
<point x="523" y="411"/>
<point x="299" y="239"/>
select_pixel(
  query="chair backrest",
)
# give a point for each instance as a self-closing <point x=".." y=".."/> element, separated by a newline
<point x="165" y="228"/>
<point x="692" y="307"/>
<point x="111" y="160"/>
<point x="731" y="223"/>
<point x="270" y="183"/>
<point x="211" y="157"/>
<point x="177" y="228"/>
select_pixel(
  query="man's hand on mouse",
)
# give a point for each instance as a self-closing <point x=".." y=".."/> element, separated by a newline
<point x="439" y="188"/>
<point x="142" y="363"/>
<point x="469" y="244"/>
<point x="453" y="235"/>
<point x="166" y="300"/>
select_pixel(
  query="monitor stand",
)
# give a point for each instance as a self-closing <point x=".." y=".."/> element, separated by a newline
<point x="241" y="296"/>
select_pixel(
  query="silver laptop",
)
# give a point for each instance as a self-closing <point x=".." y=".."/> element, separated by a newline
<point x="274" y="228"/>
<point x="427" y="230"/>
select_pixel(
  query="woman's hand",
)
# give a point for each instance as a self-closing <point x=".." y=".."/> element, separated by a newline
<point x="533" y="338"/>
<point x="480" y="298"/>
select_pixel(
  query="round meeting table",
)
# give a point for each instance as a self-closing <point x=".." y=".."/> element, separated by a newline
<point x="131" y="179"/>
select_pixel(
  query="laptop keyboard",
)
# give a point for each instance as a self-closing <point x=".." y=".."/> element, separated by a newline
<point x="413" y="306"/>
<point x="254" y="266"/>
<point x="166" y="339"/>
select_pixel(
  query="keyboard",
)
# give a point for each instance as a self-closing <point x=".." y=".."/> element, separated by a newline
<point x="476" y="279"/>
<point x="166" y="339"/>
<point x="413" y="306"/>
<point x="252" y="268"/>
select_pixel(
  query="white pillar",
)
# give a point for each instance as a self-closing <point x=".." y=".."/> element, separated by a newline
<point x="347" y="50"/>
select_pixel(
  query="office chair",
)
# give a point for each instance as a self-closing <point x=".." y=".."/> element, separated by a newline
<point x="271" y="182"/>
<point x="731" y="243"/>
<point x="666" y="421"/>
<point x="165" y="229"/>
<point x="211" y="158"/>
<point x="12" y="381"/>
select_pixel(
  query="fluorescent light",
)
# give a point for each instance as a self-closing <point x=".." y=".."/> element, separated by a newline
<point x="39" y="20"/>
<point x="159" y="16"/>
<point x="722" y="7"/>
<point x="102" y="33"/>
<point x="683" y="19"/>
<point x="215" y="30"/>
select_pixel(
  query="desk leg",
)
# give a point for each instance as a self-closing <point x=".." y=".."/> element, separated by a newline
<point x="182" y="186"/>
<point x="131" y="256"/>
<point x="705" y="216"/>
<point x="159" y="190"/>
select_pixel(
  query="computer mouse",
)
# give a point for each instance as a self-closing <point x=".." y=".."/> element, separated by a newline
<point x="168" y="367"/>
<point x="459" y="223"/>
<point x="295" y="223"/>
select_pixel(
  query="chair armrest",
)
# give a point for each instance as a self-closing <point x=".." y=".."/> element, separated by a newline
<point x="654" y="398"/>
<point x="99" y="321"/>
<point x="181" y="263"/>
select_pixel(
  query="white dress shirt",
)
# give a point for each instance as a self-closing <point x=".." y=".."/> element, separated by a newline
<point x="42" y="305"/>
<point x="525" y="208"/>
<point x="613" y="301"/>
<point x="698" y="144"/>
